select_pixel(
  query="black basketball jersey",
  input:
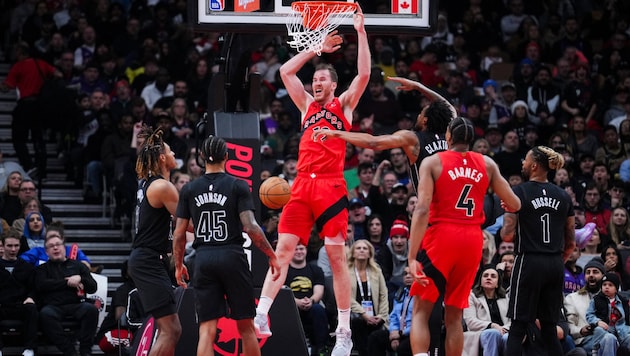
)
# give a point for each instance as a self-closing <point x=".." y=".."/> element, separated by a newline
<point x="545" y="208"/>
<point x="154" y="228"/>
<point x="430" y="144"/>
<point x="214" y="202"/>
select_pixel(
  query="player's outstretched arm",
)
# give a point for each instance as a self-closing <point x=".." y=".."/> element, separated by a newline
<point x="179" y="247"/>
<point x="408" y="85"/>
<point x="420" y="217"/>
<point x="350" y="98"/>
<point x="381" y="142"/>
<point x="251" y="228"/>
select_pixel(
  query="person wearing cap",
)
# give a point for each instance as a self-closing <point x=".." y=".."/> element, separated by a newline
<point x="393" y="257"/>
<point x="523" y="77"/>
<point x="617" y="107"/>
<point x="576" y="304"/>
<point x="450" y="212"/>
<point x="425" y="141"/>
<point x="608" y="316"/>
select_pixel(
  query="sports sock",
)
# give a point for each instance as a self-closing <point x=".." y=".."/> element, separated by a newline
<point x="343" y="316"/>
<point x="264" y="304"/>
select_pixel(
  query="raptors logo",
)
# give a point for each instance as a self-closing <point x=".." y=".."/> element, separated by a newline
<point x="228" y="341"/>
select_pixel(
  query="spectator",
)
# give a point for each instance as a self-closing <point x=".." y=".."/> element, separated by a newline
<point x="509" y="159"/>
<point x="505" y="265"/>
<point x="121" y="101"/>
<point x="572" y="38"/>
<point x="370" y="309"/>
<point x="612" y="261"/>
<point x="601" y="177"/>
<point x="392" y="258"/>
<point x="612" y="152"/>
<point x="365" y="172"/>
<point x="183" y="127"/>
<point x="32" y="205"/>
<point x="573" y="275"/>
<point x="594" y="210"/>
<point x="346" y="67"/>
<point x="441" y="39"/>
<point x="376" y="233"/>
<point x="500" y="112"/>
<point x="160" y="88"/>
<point x="427" y="67"/>
<point x="579" y="97"/>
<point x="494" y="138"/>
<point x="616" y="108"/>
<point x="592" y="249"/>
<point x="306" y="280"/>
<point x="357" y="217"/>
<point x="365" y="156"/>
<point x="486" y="316"/>
<point x="380" y="104"/>
<point x="577" y="303"/>
<point x="9" y="197"/>
<point x="37" y="255"/>
<point x="619" y="228"/>
<point x="27" y="75"/>
<point x="18" y="294"/>
<point x="543" y="100"/>
<point x="62" y="284"/>
<point x="86" y="51"/>
<point x="10" y="168"/>
<point x="166" y="122"/>
<point x="396" y="339"/>
<point x="609" y="316"/>
<point x="581" y="139"/>
<point x="511" y="22"/>
<point x="198" y="83"/>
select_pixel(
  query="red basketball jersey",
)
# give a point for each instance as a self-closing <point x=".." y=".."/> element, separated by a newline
<point x="460" y="189"/>
<point x="327" y="156"/>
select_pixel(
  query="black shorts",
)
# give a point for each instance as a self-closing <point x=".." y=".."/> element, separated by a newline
<point x="149" y="271"/>
<point x="222" y="279"/>
<point x="536" y="288"/>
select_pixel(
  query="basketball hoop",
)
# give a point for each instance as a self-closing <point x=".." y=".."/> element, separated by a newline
<point x="310" y="22"/>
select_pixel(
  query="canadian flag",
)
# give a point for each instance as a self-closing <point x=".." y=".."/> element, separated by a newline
<point x="405" y="6"/>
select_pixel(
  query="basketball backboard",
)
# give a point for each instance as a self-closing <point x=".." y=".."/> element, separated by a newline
<point x="394" y="17"/>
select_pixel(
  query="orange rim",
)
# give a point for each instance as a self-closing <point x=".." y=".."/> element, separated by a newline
<point x="319" y="11"/>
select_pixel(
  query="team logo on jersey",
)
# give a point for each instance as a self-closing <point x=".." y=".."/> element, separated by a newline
<point x="332" y="119"/>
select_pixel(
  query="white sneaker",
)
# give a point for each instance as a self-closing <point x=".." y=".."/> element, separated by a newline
<point x="343" y="344"/>
<point x="28" y="352"/>
<point x="261" y="325"/>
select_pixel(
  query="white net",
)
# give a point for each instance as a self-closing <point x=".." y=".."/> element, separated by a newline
<point x="310" y="22"/>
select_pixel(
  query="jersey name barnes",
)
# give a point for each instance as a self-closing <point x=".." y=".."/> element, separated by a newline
<point x="210" y="197"/>
<point x="465" y="172"/>
<point x="436" y="146"/>
<point x="545" y="202"/>
<point x="325" y="114"/>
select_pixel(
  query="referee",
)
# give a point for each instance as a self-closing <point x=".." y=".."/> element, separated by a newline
<point x="543" y="232"/>
<point x="221" y="208"/>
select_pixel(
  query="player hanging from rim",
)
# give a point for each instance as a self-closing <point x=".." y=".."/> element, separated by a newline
<point x="446" y="239"/>
<point x="149" y="262"/>
<point x="427" y="139"/>
<point x="320" y="169"/>
<point x="222" y="277"/>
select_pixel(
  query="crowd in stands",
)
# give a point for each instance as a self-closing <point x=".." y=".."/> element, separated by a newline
<point x="525" y="73"/>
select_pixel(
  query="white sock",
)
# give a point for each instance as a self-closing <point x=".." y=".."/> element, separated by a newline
<point x="264" y="304"/>
<point x="343" y="317"/>
<point x="27" y="352"/>
<point x="421" y="354"/>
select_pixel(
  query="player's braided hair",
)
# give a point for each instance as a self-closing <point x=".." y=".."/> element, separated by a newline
<point x="438" y="115"/>
<point x="214" y="149"/>
<point x="148" y="162"/>
<point x="462" y="131"/>
<point x="547" y="158"/>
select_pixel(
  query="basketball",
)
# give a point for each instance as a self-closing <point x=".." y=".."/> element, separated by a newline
<point x="274" y="192"/>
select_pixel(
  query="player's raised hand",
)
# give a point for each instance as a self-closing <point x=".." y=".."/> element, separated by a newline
<point x="332" y="42"/>
<point x="405" y="84"/>
<point x="274" y="268"/>
<point x="359" y="19"/>
<point x="181" y="275"/>
<point x="321" y="135"/>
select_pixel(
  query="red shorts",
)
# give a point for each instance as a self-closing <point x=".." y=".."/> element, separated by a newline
<point x="450" y="256"/>
<point x="321" y="200"/>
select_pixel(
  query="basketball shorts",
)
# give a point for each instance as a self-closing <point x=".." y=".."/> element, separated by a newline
<point x="450" y="256"/>
<point x="536" y="287"/>
<point x="149" y="271"/>
<point x="320" y="201"/>
<point x="223" y="281"/>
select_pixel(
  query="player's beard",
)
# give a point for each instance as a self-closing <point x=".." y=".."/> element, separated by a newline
<point x="525" y="174"/>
